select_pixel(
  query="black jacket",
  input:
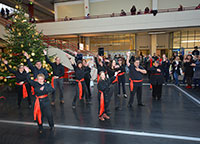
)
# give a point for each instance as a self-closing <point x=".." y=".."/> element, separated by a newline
<point x="19" y="76"/>
<point x="156" y="77"/>
<point x="37" y="71"/>
<point x="135" y="75"/>
<point x="58" y="70"/>
<point x="188" y="69"/>
<point x="104" y="85"/>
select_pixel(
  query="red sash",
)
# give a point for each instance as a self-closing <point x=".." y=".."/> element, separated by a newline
<point x="151" y="62"/>
<point x="24" y="90"/>
<point x="156" y="74"/>
<point x="37" y="111"/>
<point x="52" y="81"/>
<point x="120" y="74"/>
<point x="80" y="87"/>
<point x="131" y="83"/>
<point x="116" y="80"/>
<point x="150" y="86"/>
<point x="98" y="77"/>
<point x="101" y="103"/>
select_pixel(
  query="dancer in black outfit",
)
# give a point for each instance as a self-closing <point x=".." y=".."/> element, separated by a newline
<point x="81" y="87"/>
<point x="114" y="86"/>
<point x="100" y="66"/>
<point x="57" y="79"/>
<point x="23" y="88"/>
<point x="103" y="94"/>
<point x="136" y="77"/>
<point x="87" y="78"/>
<point x="156" y="79"/>
<point x="121" y="78"/>
<point x="42" y="106"/>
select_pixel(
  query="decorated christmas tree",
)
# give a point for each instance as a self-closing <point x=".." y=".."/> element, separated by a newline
<point x="21" y="36"/>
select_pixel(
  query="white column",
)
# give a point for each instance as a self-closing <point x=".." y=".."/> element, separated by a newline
<point x="86" y="7"/>
<point x="87" y="43"/>
<point x="55" y="12"/>
<point x="153" y="44"/>
<point x="154" y="4"/>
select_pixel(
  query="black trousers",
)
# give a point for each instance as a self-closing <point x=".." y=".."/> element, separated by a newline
<point x="121" y="80"/>
<point x="20" y="93"/>
<point x="136" y="89"/>
<point x="105" y="103"/>
<point x="84" y="92"/>
<point x="58" y="84"/>
<point x="157" y="91"/>
<point x="87" y="82"/>
<point x="189" y="80"/>
<point x="113" y="91"/>
<point x="46" y="112"/>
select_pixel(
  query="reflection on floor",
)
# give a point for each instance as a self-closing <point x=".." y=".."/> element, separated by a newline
<point x="175" y="114"/>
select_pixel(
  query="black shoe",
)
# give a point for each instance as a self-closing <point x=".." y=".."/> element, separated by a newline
<point x="141" y="104"/>
<point x="29" y="106"/>
<point x="62" y="102"/>
<point x="52" y="129"/>
<point x="88" y="102"/>
<point x="154" y="98"/>
<point x="125" y="96"/>
<point x="129" y="106"/>
<point x="108" y="112"/>
<point x="117" y="108"/>
<point x="158" y="99"/>
<point x="73" y="106"/>
<point x="40" y="130"/>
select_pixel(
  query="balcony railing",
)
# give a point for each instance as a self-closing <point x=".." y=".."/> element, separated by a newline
<point x="117" y="15"/>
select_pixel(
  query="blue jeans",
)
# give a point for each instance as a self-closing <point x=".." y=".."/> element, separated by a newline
<point x="176" y="78"/>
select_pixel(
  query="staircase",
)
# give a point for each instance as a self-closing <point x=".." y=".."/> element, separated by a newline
<point x="66" y="46"/>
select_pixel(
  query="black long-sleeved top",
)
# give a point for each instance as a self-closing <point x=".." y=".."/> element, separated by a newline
<point x="110" y="71"/>
<point x="156" y="77"/>
<point x="80" y="73"/>
<point x="99" y="67"/>
<point x="188" y="69"/>
<point x="122" y="69"/>
<point x="104" y="85"/>
<point x="19" y="76"/>
<point x="135" y="75"/>
<point x="87" y="70"/>
<point x="58" y="70"/>
<point x="165" y="65"/>
<point x="37" y="71"/>
<point x="47" y="87"/>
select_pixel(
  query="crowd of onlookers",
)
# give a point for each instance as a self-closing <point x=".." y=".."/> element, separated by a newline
<point x="178" y="69"/>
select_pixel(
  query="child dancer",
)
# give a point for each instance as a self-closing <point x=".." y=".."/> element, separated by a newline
<point x="103" y="94"/>
<point x="42" y="105"/>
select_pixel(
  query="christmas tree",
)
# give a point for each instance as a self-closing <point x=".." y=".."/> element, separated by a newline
<point x="21" y="36"/>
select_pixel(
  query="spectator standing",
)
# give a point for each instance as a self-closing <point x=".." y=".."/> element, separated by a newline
<point x="123" y="13"/>
<point x="196" y="76"/>
<point x="133" y="10"/>
<point x="176" y="68"/>
<point x="195" y="52"/>
<point x="3" y="12"/>
<point x="146" y="10"/>
<point x="188" y="66"/>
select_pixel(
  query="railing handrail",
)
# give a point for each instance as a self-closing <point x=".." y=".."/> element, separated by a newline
<point x="116" y="15"/>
